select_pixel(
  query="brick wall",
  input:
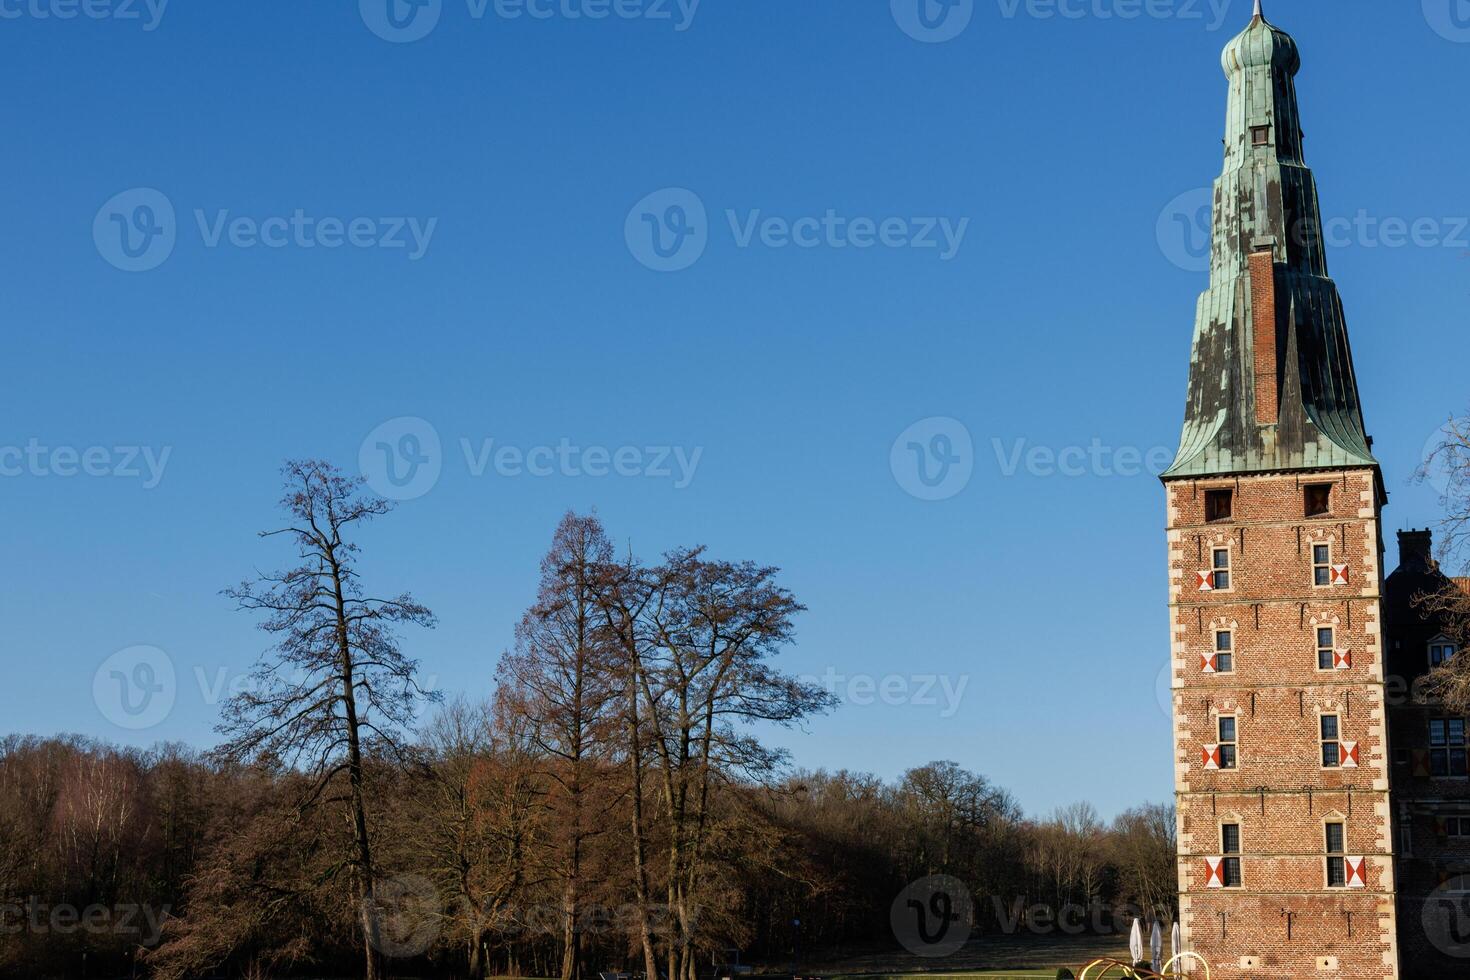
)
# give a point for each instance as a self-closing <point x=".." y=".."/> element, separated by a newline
<point x="1285" y="921"/>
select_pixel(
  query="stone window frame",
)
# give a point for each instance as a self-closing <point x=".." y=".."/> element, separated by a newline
<point x="1229" y="548"/>
<point x="1330" y="545"/>
<point x="1328" y="856"/>
<point x="1216" y="627"/>
<point x="1440" y="641"/>
<point x="1234" y="743"/>
<point x="1232" y="820"/>
<point x="1449" y="748"/>
<point x="1323" y="741"/>
<point x="1321" y="622"/>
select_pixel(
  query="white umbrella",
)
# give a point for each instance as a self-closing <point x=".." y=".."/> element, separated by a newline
<point x="1176" y="946"/>
<point x="1135" y="942"/>
<point x="1156" y="947"/>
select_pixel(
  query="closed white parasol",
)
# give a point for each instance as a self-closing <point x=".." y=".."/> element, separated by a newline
<point x="1135" y="942"/>
<point x="1156" y="947"/>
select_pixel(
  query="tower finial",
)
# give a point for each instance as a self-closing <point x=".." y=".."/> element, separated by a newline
<point x="1259" y="13"/>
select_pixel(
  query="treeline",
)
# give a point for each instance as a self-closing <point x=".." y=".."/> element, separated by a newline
<point x="610" y="806"/>
<point x="171" y="863"/>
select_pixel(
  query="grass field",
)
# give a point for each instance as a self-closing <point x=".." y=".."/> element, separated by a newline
<point x="1019" y="956"/>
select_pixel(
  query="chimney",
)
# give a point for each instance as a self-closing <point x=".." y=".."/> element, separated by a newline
<point x="1416" y="550"/>
<point x="1263" y="324"/>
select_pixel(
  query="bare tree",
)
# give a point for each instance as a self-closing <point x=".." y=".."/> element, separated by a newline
<point x="715" y="628"/>
<point x="1449" y="461"/>
<point x="561" y="679"/>
<point x="335" y="678"/>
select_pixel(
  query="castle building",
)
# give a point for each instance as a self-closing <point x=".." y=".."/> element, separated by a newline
<point x="1283" y="765"/>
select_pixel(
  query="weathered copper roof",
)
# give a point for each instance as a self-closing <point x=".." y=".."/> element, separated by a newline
<point x="1266" y="198"/>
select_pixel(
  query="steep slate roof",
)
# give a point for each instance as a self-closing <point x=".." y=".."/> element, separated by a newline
<point x="1267" y="197"/>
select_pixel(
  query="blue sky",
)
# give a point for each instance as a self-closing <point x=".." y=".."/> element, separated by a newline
<point x="996" y="219"/>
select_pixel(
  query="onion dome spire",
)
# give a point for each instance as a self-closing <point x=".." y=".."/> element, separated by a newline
<point x="1272" y="385"/>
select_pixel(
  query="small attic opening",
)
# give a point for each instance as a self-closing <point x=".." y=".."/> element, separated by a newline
<point x="1260" y="136"/>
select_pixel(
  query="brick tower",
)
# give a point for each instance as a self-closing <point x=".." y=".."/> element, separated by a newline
<point x="1282" y="758"/>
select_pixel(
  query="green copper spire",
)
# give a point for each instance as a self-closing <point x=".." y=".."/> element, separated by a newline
<point x="1271" y="384"/>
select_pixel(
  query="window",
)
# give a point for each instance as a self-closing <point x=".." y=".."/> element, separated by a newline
<point x="1326" y="647"/>
<point x="1220" y="563"/>
<point x="1447" y="746"/>
<point x="1331" y="748"/>
<point x="1440" y="651"/>
<point x="1321" y="564"/>
<point x="1219" y="505"/>
<point x="1319" y="499"/>
<point x="1227" y="742"/>
<point x="1224" y="651"/>
<point x="1230" y="848"/>
<point x="1260" y="135"/>
<point x="1336" y="864"/>
<point x="1458" y="885"/>
<point x="1457" y="826"/>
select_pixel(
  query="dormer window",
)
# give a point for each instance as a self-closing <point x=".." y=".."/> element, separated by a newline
<point x="1260" y="135"/>
<point x="1440" y="651"/>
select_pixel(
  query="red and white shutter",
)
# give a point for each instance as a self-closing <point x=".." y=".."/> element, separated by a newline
<point x="1214" y="872"/>
<point x="1205" y="581"/>
<point x="1421" y="763"/>
<point x="1357" y="871"/>
<point x="1350" y="755"/>
<point x="1207" y="663"/>
<point x="1210" y="755"/>
<point x="1339" y="575"/>
<point x="1342" y="659"/>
